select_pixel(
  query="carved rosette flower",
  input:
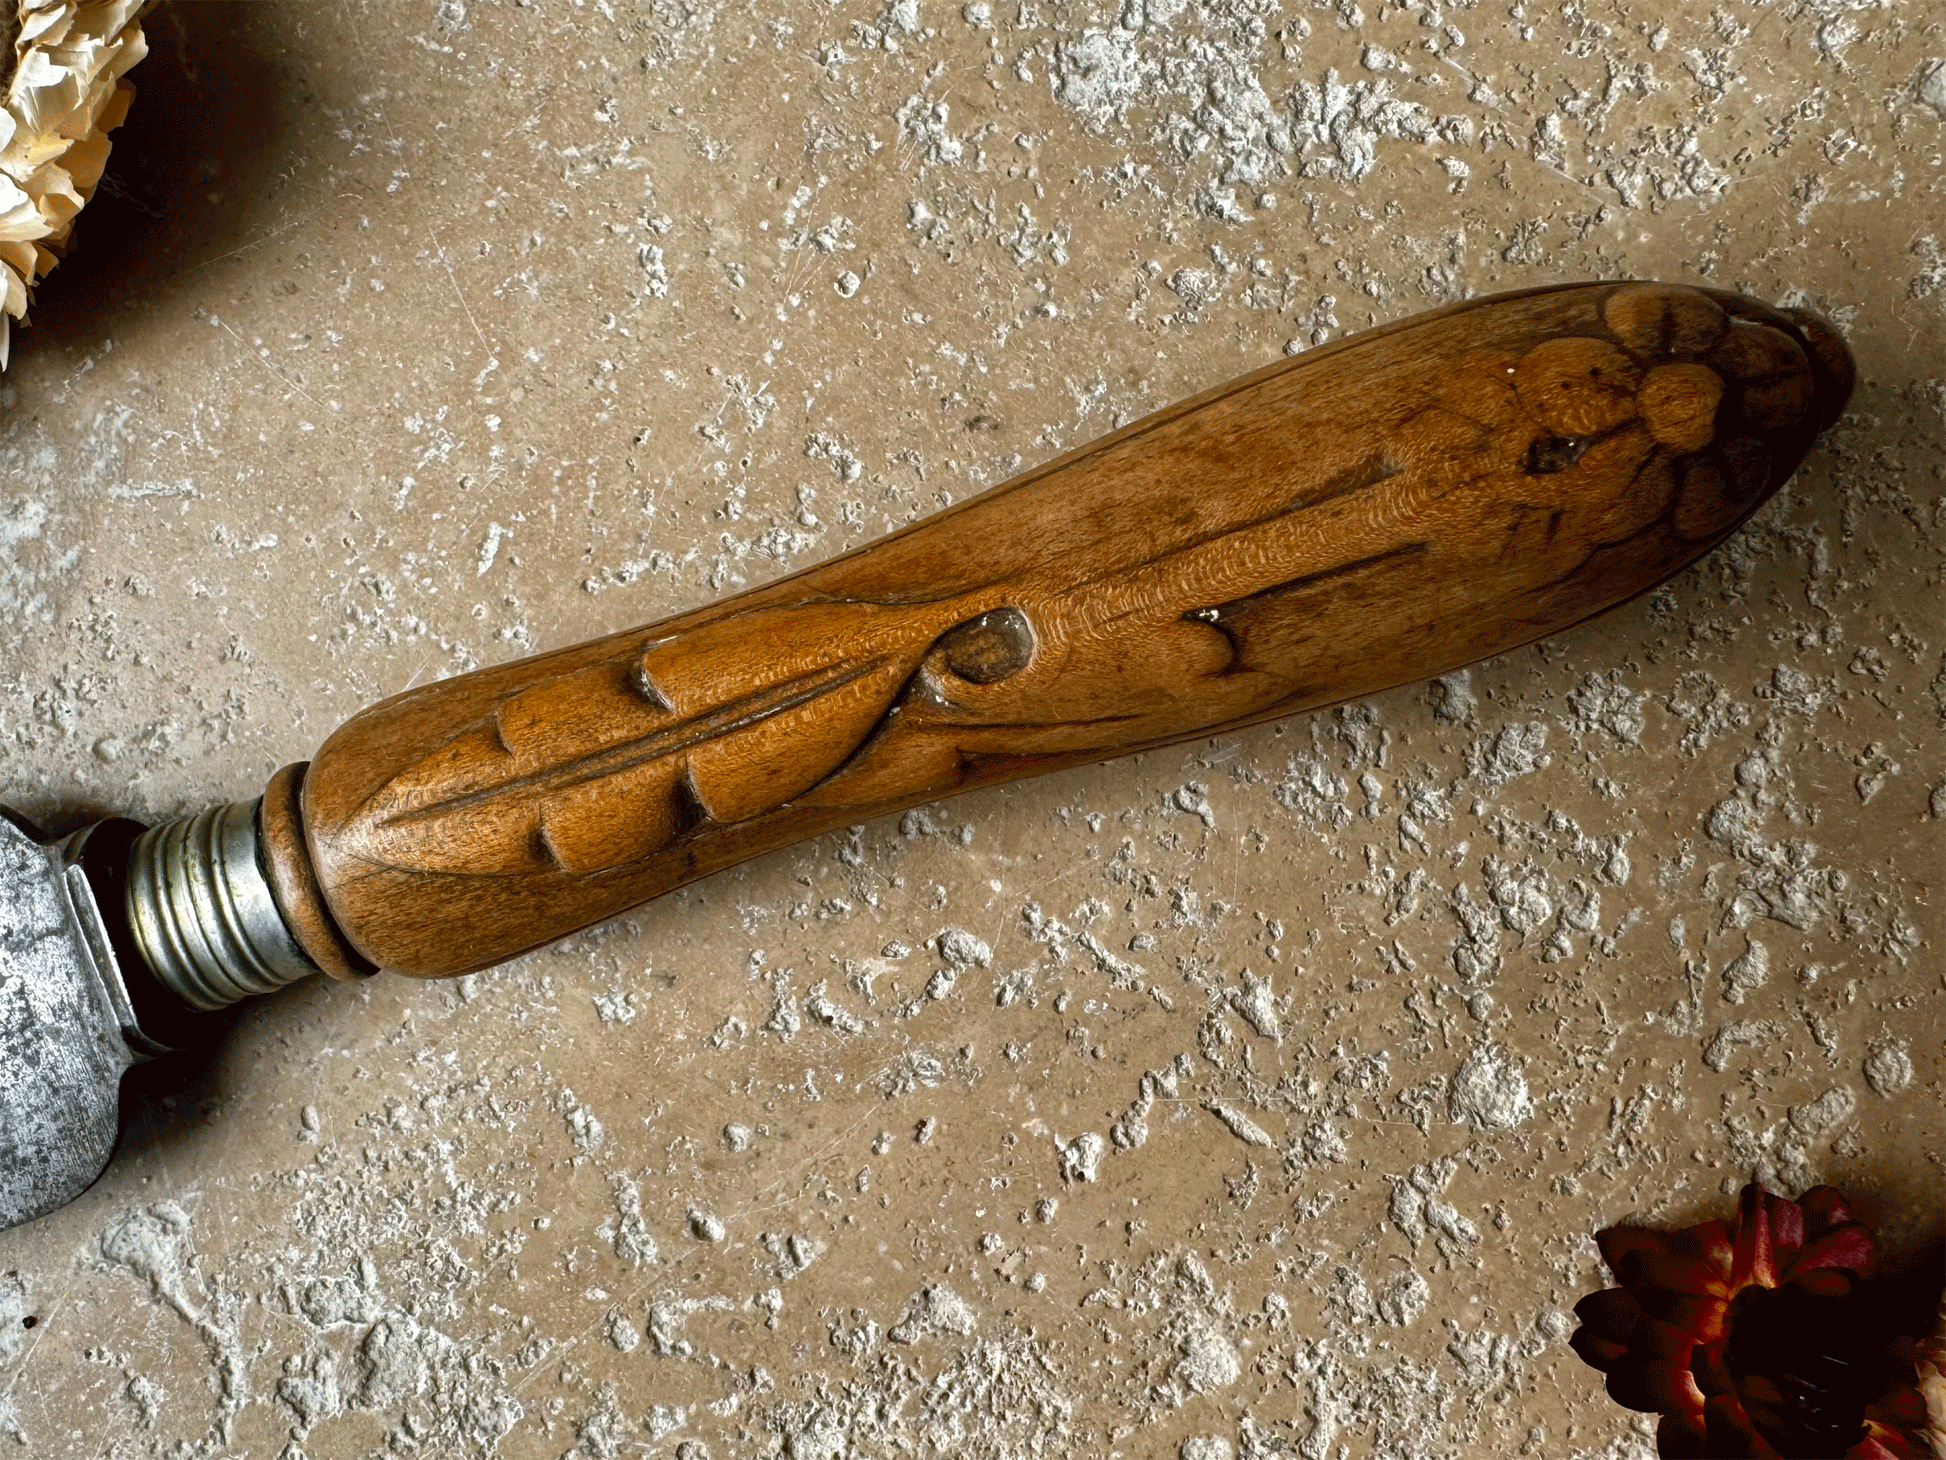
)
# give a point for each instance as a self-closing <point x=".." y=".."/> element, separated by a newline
<point x="65" y="94"/>
<point x="1756" y="1336"/>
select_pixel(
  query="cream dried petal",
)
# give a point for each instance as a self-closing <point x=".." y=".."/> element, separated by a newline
<point x="85" y="161"/>
<point x="19" y="217"/>
<point x="1932" y="1383"/>
<point x="66" y="93"/>
<point x="15" y="303"/>
<point x="46" y="26"/>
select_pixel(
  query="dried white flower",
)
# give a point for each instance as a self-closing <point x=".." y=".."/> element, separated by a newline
<point x="65" y="94"/>
<point x="1932" y="1382"/>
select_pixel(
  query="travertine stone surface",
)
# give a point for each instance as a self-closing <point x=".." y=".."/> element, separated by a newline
<point x="1253" y="1099"/>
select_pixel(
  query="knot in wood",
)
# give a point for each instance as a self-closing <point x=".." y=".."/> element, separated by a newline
<point x="987" y="649"/>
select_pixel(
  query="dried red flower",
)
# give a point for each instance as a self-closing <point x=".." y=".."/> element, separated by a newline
<point x="1757" y="1336"/>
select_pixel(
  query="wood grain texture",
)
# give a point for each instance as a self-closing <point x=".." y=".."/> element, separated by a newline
<point x="1365" y="515"/>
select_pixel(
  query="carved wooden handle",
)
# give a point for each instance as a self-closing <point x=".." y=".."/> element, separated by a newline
<point x="1363" y="516"/>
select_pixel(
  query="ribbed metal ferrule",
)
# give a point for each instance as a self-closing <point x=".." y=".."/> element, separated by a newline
<point x="202" y="912"/>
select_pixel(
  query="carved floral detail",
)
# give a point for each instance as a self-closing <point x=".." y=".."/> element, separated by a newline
<point x="1356" y="518"/>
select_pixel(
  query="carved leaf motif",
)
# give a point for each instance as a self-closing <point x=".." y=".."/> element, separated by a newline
<point x="592" y="770"/>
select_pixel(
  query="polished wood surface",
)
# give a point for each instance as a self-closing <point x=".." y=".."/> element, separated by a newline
<point x="1366" y="515"/>
<point x="293" y="877"/>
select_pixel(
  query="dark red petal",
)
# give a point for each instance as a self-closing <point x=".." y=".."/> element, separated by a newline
<point x="1616" y="1243"/>
<point x="1674" y="1272"/>
<point x="1612" y="1313"/>
<point x="1627" y="1386"/>
<point x="1786" y="1229"/>
<point x="1663" y="1342"/>
<point x="1903" y="1408"/>
<point x="1755" y="1258"/>
<point x="1679" y="1437"/>
<point x="1824" y="1208"/>
<point x="1654" y="1374"/>
<point x="1713" y="1244"/>
<point x="1896" y="1425"/>
<point x="1707" y="1366"/>
<point x="1849" y="1246"/>
<point x="1730" y="1432"/>
<point x="1765" y="1404"/>
<point x="1701" y="1318"/>
<point x="1825" y="1282"/>
<point x="1595" y="1351"/>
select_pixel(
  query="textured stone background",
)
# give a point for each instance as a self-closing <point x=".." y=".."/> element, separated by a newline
<point x="1275" y="1083"/>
